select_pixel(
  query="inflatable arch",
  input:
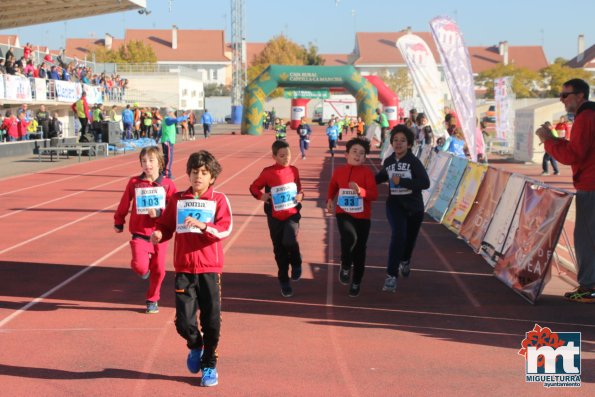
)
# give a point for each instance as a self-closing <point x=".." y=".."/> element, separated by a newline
<point x="275" y="76"/>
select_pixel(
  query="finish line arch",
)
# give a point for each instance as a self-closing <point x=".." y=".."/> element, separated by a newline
<point x="276" y="76"/>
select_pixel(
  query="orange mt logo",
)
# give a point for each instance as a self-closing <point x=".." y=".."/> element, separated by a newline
<point x="553" y="358"/>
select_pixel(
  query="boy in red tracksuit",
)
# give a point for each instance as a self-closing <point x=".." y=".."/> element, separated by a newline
<point x="201" y="218"/>
<point x="10" y="125"/>
<point x="282" y="196"/>
<point x="356" y="188"/>
<point x="149" y="193"/>
<point x="22" y="127"/>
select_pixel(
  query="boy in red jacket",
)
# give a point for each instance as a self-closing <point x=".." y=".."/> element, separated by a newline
<point x="201" y="218"/>
<point x="282" y="196"/>
<point x="356" y="187"/>
<point x="148" y="192"/>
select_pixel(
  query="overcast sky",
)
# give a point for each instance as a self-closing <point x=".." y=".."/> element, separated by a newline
<point x="331" y="24"/>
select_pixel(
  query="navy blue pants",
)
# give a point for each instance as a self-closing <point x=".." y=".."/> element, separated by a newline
<point x="405" y="227"/>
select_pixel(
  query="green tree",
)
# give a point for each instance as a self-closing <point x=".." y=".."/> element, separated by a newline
<point x="134" y="51"/>
<point x="282" y="51"/>
<point x="557" y="74"/>
<point x="525" y="83"/>
<point x="216" y="90"/>
<point x="399" y="82"/>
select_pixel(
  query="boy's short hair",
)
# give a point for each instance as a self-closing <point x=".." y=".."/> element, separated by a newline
<point x="278" y="145"/>
<point x="402" y="128"/>
<point x="156" y="150"/>
<point x="200" y="158"/>
<point x="358" y="141"/>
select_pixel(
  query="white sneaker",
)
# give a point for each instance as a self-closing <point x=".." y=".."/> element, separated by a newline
<point x="390" y="284"/>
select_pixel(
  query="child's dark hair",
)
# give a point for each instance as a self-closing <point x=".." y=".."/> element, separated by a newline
<point x="358" y="141"/>
<point x="156" y="150"/>
<point x="278" y="145"/>
<point x="403" y="129"/>
<point x="200" y="158"/>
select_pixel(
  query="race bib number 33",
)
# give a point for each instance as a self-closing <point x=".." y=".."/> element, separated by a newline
<point x="149" y="197"/>
<point x="349" y="201"/>
<point x="283" y="196"/>
<point x="201" y="210"/>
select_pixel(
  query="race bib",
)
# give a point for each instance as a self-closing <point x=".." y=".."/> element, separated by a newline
<point x="284" y="196"/>
<point x="201" y="210"/>
<point x="398" y="190"/>
<point x="149" y="197"/>
<point x="350" y="202"/>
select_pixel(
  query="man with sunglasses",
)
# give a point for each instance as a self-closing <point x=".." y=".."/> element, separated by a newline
<point x="579" y="153"/>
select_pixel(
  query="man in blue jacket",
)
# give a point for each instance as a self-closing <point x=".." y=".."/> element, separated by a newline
<point x="206" y="120"/>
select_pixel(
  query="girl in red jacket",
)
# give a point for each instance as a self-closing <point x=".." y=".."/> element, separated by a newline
<point x="201" y="218"/>
<point x="148" y="193"/>
<point x="356" y="188"/>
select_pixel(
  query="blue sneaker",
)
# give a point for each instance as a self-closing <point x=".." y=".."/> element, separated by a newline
<point x="209" y="377"/>
<point x="152" y="307"/>
<point x="193" y="360"/>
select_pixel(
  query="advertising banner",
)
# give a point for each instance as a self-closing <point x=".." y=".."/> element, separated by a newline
<point x="454" y="173"/>
<point x="17" y="88"/>
<point x="525" y="266"/>
<point x="67" y="91"/>
<point x="459" y="75"/>
<point x="504" y="98"/>
<point x="41" y="90"/>
<point x="426" y="153"/>
<point x="308" y="94"/>
<point x="1" y="88"/>
<point x="476" y="223"/>
<point x="505" y="220"/>
<point x="426" y="79"/>
<point x="94" y="94"/>
<point x="463" y="199"/>
<point x="436" y="173"/>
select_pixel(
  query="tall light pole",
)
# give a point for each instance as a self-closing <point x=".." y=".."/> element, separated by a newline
<point x="238" y="48"/>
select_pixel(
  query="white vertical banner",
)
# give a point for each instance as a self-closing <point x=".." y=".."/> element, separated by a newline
<point x="459" y="76"/>
<point x="426" y="78"/>
<point x="504" y="98"/>
<point x="17" y="88"/>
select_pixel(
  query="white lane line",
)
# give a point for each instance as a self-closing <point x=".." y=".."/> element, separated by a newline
<point x="88" y="189"/>
<point x="35" y="301"/>
<point x="25" y="242"/>
<point x="422" y="270"/>
<point x="412" y="312"/>
<point x="83" y="271"/>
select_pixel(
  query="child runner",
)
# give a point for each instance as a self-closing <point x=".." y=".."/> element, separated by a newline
<point x="280" y="130"/>
<point x="201" y="218"/>
<point x="148" y="193"/>
<point x="282" y="196"/>
<point x="355" y="184"/>
<point x="360" y="127"/>
<point x="304" y="131"/>
<point x="407" y="177"/>
<point x="332" y="132"/>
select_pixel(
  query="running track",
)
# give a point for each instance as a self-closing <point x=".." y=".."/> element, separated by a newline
<point x="72" y="319"/>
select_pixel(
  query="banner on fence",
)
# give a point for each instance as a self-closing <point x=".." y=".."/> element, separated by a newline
<point x="476" y="223"/>
<point x="464" y="197"/>
<point x="504" y="98"/>
<point x="426" y="153"/>
<point x="17" y="88"/>
<point x="525" y="266"/>
<point x="453" y="177"/>
<point x="93" y="94"/>
<point x="505" y="220"/>
<point x="1" y="88"/>
<point x="436" y="173"/>
<point x="67" y="91"/>
<point x="459" y="75"/>
<point x="41" y="90"/>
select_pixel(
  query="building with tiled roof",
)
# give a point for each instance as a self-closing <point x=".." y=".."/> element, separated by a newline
<point x="200" y="50"/>
<point x="335" y="59"/>
<point x="585" y="59"/>
<point x="376" y="51"/>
